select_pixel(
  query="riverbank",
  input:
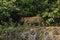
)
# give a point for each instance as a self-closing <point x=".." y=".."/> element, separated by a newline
<point x="29" y="33"/>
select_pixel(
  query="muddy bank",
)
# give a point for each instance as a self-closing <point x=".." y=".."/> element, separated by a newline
<point x="41" y="33"/>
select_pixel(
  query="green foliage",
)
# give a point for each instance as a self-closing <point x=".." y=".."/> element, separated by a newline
<point x="13" y="10"/>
